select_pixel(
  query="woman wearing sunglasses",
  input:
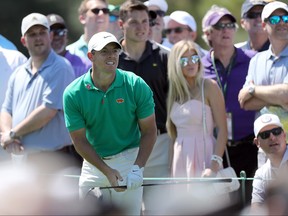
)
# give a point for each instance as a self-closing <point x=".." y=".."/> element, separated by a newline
<point x="270" y="136"/>
<point x="191" y="154"/>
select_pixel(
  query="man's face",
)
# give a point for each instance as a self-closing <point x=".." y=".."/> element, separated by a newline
<point x="59" y="40"/>
<point x="223" y="36"/>
<point x="106" y="60"/>
<point x="176" y="31"/>
<point x="277" y="31"/>
<point x="37" y="40"/>
<point x="272" y="139"/>
<point x="136" y="26"/>
<point x="159" y="22"/>
<point x="251" y="21"/>
<point x="95" y="19"/>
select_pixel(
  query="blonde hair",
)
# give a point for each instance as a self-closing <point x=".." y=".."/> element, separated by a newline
<point x="178" y="85"/>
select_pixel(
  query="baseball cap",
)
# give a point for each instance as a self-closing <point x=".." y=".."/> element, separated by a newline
<point x="184" y="18"/>
<point x="214" y="14"/>
<point x="54" y="19"/>
<point x="162" y="4"/>
<point x="100" y="40"/>
<point x="271" y="7"/>
<point x="248" y="4"/>
<point x="264" y="120"/>
<point x="33" y="19"/>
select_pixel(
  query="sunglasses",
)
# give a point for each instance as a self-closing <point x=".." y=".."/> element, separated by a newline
<point x="185" y="60"/>
<point x="159" y="12"/>
<point x="177" y="30"/>
<point x="252" y="15"/>
<point x="220" y="26"/>
<point x="97" y="10"/>
<point x="276" y="19"/>
<point x="266" y="134"/>
<point x="59" y="32"/>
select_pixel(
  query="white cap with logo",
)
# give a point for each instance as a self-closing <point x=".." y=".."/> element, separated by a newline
<point x="99" y="40"/>
<point x="264" y="120"/>
<point x="33" y="19"/>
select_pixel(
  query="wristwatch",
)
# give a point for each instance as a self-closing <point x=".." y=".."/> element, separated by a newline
<point x="12" y="135"/>
<point x="251" y="89"/>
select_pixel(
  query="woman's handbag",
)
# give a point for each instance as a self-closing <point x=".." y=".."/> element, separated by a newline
<point x="229" y="172"/>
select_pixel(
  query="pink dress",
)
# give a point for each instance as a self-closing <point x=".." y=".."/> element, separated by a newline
<point x="188" y="157"/>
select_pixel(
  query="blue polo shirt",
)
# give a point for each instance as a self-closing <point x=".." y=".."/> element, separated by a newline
<point x="242" y="121"/>
<point x="274" y="70"/>
<point x="110" y="118"/>
<point x="27" y="91"/>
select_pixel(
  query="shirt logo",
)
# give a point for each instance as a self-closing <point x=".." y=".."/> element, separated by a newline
<point x="120" y="100"/>
<point x="88" y="86"/>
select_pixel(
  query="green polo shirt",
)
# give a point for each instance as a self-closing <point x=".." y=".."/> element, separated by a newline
<point x="110" y="118"/>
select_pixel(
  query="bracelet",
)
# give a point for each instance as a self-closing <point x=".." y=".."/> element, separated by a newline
<point x="217" y="158"/>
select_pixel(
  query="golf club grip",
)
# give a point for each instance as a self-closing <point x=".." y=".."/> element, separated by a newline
<point x="207" y="180"/>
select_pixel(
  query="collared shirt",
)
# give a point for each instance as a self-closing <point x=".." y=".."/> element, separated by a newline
<point x="80" y="65"/>
<point x="152" y="67"/>
<point x="27" y="91"/>
<point x="246" y="45"/>
<point x="242" y="121"/>
<point x="274" y="70"/>
<point x="79" y="48"/>
<point x="263" y="177"/>
<point x="110" y="118"/>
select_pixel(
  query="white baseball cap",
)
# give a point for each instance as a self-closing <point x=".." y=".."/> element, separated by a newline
<point x="33" y="19"/>
<point x="162" y="4"/>
<point x="264" y="120"/>
<point x="99" y="40"/>
<point x="271" y="7"/>
<point x="184" y="18"/>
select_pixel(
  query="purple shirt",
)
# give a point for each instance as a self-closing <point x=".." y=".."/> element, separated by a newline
<point x="242" y="121"/>
<point x="80" y="65"/>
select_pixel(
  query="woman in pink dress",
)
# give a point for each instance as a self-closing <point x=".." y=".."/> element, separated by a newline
<point x="192" y="157"/>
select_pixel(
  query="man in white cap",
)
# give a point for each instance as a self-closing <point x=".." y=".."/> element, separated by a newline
<point x="181" y="25"/>
<point x="266" y="92"/>
<point x="110" y="115"/>
<point x="32" y="120"/>
<point x="160" y="7"/>
<point x="271" y="137"/>
<point x="251" y="22"/>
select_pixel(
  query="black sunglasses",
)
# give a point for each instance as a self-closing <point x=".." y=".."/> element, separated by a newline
<point x="252" y="15"/>
<point x="220" y="26"/>
<point x="159" y="12"/>
<point x="59" y="32"/>
<point x="266" y="134"/>
<point x="97" y="10"/>
<point x="177" y="30"/>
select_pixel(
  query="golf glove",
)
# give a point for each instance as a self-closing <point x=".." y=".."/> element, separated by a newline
<point x="135" y="178"/>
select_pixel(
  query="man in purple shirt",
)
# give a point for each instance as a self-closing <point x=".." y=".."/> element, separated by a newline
<point x="229" y="65"/>
<point x="59" y="42"/>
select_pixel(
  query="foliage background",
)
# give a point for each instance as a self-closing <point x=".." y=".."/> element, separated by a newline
<point x="12" y="12"/>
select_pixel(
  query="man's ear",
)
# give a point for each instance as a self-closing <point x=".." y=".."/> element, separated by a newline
<point x="242" y="23"/>
<point x="256" y="142"/>
<point x="22" y="39"/>
<point x="82" y="19"/>
<point x="90" y="56"/>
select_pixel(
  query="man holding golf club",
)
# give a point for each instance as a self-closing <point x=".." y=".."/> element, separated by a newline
<point x="109" y="113"/>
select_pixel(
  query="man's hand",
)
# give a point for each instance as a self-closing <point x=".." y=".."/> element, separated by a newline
<point x="135" y="178"/>
<point x="244" y="96"/>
